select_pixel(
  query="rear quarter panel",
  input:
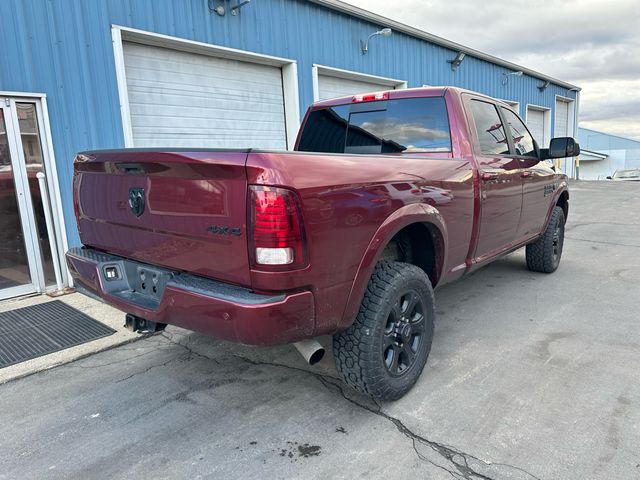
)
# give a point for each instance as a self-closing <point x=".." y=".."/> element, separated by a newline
<point x="345" y="200"/>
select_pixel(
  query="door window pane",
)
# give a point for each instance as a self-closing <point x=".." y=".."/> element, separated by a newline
<point x="489" y="128"/>
<point x="31" y="146"/>
<point x="14" y="265"/>
<point x="522" y="139"/>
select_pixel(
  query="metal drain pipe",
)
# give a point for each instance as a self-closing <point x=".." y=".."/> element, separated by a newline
<point x="51" y="233"/>
<point x="311" y="350"/>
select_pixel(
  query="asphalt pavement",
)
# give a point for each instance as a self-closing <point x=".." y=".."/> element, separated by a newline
<point x="531" y="376"/>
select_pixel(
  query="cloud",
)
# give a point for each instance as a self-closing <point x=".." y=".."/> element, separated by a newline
<point x="517" y="26"/>
<point x="590" y="43"/>
<point x="617" y="114"/>
<point x="597" y="63"/>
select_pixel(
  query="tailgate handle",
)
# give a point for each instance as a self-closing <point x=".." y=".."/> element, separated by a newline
<point x="130" y="167"/>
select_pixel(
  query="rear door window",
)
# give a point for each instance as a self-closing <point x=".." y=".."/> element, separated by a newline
<point x="489" y="128"/>
<point x="390" y="126"/>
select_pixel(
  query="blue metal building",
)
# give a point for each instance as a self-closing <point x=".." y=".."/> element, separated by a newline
<point x="78" y="75"/>
<point x="603" y="154"/>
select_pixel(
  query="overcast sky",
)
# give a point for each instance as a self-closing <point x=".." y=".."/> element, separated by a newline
<point x="594" y="44"/>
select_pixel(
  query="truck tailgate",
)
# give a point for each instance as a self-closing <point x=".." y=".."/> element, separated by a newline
<point x="182" y="210"/>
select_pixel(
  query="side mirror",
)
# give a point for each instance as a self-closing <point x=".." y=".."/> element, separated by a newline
<point x="562" y="147"/>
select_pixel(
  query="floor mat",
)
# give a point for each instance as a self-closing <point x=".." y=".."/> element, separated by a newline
<point x="31" y="332"/>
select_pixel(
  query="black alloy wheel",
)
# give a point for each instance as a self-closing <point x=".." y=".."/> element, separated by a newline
<point x="403" y="333"/>
<point x="385" y="349"/>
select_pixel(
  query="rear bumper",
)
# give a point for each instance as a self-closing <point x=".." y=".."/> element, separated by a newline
<point x="195" y="303"/>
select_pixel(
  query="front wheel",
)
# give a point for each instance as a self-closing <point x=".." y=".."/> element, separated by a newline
<point x="384" y="351"/>
<point x="544" y="254"/>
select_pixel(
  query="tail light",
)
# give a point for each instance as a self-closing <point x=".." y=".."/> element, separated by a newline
<point x="276" y="233"/>
<point x="76" y="198"/>
<point x="370" y="97"/>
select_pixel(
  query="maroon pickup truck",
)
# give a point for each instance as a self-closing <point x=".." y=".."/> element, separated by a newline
<point x="386" y="196"/>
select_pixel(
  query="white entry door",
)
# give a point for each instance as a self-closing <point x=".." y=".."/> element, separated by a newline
<point x="561" y="128"/>
<point x="26" y="263"/>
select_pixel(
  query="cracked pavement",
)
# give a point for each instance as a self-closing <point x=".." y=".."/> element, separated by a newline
<point x="531" y="376"/>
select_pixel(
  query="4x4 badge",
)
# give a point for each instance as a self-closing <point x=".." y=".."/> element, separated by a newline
<point x="221" y="230"/>
<point x="136" y="201"/>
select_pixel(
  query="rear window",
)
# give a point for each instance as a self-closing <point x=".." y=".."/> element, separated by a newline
<point x="389" y="126"/>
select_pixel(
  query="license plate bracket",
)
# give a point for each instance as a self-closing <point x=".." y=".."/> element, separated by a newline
<point x="135" y="282"/>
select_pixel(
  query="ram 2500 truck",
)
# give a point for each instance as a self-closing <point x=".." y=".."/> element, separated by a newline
<point x="386" y="196"/>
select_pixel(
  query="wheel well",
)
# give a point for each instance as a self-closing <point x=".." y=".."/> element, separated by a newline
<point x="563" y="202"/>
<point x="420" y="244"/>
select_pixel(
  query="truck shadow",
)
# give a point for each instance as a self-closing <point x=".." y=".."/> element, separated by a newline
<point x="478" y="292"/>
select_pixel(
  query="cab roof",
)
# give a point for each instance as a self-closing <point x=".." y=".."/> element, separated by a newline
<point x="418" y="92"/>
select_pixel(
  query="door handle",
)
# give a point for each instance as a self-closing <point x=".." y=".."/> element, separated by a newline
<point x="486" y="176"/>
<point x="525" y="174"/>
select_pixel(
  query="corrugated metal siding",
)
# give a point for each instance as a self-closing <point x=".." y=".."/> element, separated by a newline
<point x="599" y="141"/>
<point x="63" y="48"/>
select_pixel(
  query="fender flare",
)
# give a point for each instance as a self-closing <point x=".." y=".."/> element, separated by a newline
<point x="562" y="188"/>
<point x="401" y="218"/>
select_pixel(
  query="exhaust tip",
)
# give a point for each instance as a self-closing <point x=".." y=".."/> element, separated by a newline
<point x="311" y="350"/>
<point x="316" y="356"/>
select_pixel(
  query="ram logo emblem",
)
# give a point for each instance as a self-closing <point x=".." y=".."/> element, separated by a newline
<point x="136" y="201"/>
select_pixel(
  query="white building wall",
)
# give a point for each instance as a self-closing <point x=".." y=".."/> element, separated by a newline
<point x="601" y="169"/>
<point x="622" y="153"/>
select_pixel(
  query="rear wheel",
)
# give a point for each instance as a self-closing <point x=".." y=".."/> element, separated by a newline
<point x="384" y="351"/>
<point x="544" y="254"/>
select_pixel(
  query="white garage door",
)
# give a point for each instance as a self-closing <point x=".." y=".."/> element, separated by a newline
<point x="180" y="99"/>
<point x="330" y="87"/>
<point x="535" y="122"/>
<point x="561" y="128"/>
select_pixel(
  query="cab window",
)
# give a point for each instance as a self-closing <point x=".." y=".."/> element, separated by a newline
<point x="489" y="128"/>
<point x="522" y="139"/>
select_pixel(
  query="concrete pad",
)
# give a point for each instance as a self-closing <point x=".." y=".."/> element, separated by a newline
<point x="100" y="311"/>
<point x="531" y="376"/>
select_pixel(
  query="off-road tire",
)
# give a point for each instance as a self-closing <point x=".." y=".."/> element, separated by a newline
<point x="360" y="350"/>
<point x="544" y="254"/>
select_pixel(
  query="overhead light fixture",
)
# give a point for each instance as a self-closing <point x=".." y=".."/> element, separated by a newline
<point x="220" y="10"/>
<point x="385" y="32"/>
<point x="455" y="62"/>
<point x="506" y="75"/>
<point x="236" y="8"/>
<point x="544" y="85"/>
